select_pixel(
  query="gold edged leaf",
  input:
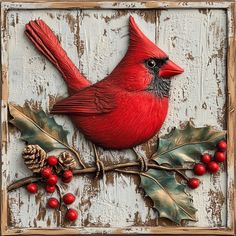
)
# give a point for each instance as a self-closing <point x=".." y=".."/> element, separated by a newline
<point x="169" y="196"/>
<point x="187" y="145"/>
<point x="38" y="128"/>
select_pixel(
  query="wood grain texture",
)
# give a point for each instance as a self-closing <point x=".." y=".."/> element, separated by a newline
<point x="119" y="5"/>
<point x="108" y="1"/>
<point x="231" y="118"/>
<point x="96" y="40"/>
<point x="97" y="1"/>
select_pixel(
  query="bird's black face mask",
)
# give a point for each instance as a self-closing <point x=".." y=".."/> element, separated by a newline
<point x="160" y="86"/>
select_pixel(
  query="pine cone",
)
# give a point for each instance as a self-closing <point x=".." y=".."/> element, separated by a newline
<point x="65" y="162"/>
<point x="34" y="157"/>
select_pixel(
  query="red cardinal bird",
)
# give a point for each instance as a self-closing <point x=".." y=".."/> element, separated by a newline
<point x="126" y="108"/>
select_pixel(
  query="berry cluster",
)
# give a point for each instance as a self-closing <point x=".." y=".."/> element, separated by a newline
<point x="51" y="179"/>
<point x="208" y="163"/>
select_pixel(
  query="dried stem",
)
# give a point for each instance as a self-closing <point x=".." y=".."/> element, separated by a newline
<point x="77" y="156"/>
<point x="182" y="175"/>
<point x="22" y="182"/>
<point x="60" y="196"/>
<point x="143" y="161"/>
<point x="60" y="203"/>
<point x="128" y="172"/>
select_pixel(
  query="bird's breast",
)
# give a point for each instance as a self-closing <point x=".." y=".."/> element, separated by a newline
<point x="137" y="118"/>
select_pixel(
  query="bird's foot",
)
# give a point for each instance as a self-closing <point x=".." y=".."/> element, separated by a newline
<point x="143" y="163"/>
<point x="100" y="169"/>
<point x="142" y="160"/>
<point x="99" y="164"/>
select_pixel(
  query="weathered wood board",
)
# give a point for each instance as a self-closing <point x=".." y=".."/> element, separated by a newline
<point x="96" y="39"/>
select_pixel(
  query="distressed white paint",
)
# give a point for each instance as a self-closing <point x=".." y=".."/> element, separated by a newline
<point x="199" y="94"/>
<point x="195" y="95"/>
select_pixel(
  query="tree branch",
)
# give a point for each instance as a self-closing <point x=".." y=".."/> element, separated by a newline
<point x="22" y="182"/>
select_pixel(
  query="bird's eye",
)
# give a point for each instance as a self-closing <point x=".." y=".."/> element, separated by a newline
<point x="151" y="63"/>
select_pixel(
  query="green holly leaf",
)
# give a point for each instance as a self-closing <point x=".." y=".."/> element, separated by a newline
<point x="169" y="196"/>
<point x="187" y="145"/>
<point x="38" y="128"/>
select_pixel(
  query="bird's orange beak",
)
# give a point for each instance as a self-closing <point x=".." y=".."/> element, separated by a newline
<point x="170" y="69"/>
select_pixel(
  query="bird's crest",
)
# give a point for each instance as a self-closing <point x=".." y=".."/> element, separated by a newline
<point x="141" y="44"/>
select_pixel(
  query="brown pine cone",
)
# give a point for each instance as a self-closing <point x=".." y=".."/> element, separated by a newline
<point x="65" y="162"/>
<point x="34" y="158"/>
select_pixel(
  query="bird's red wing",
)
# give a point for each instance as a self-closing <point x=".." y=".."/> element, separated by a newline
<point x="94" y="100"/>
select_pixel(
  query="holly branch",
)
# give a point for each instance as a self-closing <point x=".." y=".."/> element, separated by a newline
<point x="157" y="176"/>
<point x="90" y="170"/>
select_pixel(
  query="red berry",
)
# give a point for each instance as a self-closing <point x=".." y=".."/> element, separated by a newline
<point x="71" y="214"/>
<point x="222" y="146"/>
<point x="52" y="160"/>
<point x="53" y="203"/>
<point x="220" y="157"/>
<point x="46" y="172"/>
<point x="68" y="198"/>
<point x="199" y="169"/>
<point x="213" y="167"/>
<point x="50" y="188"/>
<point x="32" y="188"/>
<point x="64" y="180"/>
<point x="206" y="158"/>
<point x="52" y="180"/>
<point x="67" y="176"/>
<point x="193" y="183"/>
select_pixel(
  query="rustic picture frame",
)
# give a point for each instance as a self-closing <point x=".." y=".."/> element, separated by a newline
<point x="229" y="7"/>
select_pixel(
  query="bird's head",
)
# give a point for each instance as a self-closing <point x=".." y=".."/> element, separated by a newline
<point x="145" y="66"/>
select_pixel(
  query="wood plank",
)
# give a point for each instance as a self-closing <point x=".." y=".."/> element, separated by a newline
<point x="103" y="46"/>
<point x="34" y="79"/>
<point x="231" y="119"/>
<point x="200" y="90"/>
<point x="117" y="5"/>
<point x="41" y="1"/>
<point x="119" y="231"/>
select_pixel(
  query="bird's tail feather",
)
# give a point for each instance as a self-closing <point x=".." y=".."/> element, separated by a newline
<point x="47" y="43"/>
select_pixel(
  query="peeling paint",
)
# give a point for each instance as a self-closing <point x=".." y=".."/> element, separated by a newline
<point x="71" y="20"/>
<point x="117" y="14"/>
<point x="217" y="200"/>
<point x="189" y="56"/>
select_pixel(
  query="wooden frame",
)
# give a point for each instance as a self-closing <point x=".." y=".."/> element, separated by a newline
<point x="229" y="6"/>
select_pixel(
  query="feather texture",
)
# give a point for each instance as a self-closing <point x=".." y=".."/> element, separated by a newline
<point x="93" y="100"/>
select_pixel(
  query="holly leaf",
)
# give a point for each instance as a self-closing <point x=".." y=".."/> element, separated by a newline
<point x="169" y="196"/>
<point x="187" y="145"/>
<point x="38" y="128"/>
